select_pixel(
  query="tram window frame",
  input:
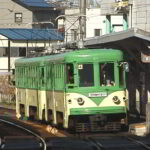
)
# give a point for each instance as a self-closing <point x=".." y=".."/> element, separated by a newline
<point x="42" y="69"/>
<point x="19" y="77"/>
<point x="23" y="76"/>
<point x="121" y="76"/>
<point x="28" y="77"/>
<point x="87" y="78"/>
<point x="70" y="73"/>
<point x="107" y="74"/>
<point x="37" y="77"/>
<point x="62" y="70"/>
<point x="29" y="72"/>
<point x="50" y="76"/>
<point x="34" y="77"/>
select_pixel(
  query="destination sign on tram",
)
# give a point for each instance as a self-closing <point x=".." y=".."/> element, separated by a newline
<point x="99" y="94"/>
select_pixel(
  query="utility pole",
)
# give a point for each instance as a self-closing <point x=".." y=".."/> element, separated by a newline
<point x="82" y="22"/>
<point x="9" y="55"/>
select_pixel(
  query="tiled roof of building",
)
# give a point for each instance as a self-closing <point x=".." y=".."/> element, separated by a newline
<point x="31" y="34"/>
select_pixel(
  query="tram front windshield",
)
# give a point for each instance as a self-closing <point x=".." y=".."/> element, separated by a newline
<point x="86" y="75"/>
<point x="107" y="77"/>
<point x="105" y="74"/>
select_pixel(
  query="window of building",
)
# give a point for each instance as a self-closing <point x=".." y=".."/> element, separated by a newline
<point x="22" y="52"/>
<point x="97" y="32"/>
<point x="61" y="28"/>
<point x="73" y="34"/>
<point x="117" y="27"/>
<point x="18" y="17"/>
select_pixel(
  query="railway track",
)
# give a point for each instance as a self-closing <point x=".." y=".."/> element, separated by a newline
<point x="99" y="141"/>
<point x="34" y="139"/>
<point x="119" y="143"/>
<point x="28" y="137"/>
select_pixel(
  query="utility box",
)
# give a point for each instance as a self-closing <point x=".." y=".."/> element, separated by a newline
<point x="138" y="129"/>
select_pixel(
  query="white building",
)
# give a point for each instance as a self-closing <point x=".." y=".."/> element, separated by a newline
<point x="95" y="23"/>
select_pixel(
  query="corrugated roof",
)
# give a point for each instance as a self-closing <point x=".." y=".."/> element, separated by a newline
<point x="37" y="3"/>
<point x="31" y="34"/>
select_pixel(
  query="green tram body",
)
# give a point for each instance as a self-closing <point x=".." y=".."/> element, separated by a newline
<point x="67" y="88"/>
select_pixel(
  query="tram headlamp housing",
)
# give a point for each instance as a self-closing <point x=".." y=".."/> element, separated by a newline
<point x="116" y="100"/>
<point x="69" y="101"/>
<point x="124" y="99"/>
<point x="80" y="101"/>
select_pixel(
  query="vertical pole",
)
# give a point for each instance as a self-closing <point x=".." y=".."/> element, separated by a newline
<point x="148" y="102"/>
<point x="82" y="21"/>
<point x="108" y="24"/>
<point x="125" y="22"/>
<point x="27" y="48"/>
<point x="131" y="5"/>
<point x="131" y="15"/>
<point x="8" y="55"/>
<point x="84" y="12"/>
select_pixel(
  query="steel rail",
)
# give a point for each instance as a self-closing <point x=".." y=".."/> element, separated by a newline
<point x="139" y="142"/>
<point x="27" y="130"/>
<point x="100" y="145"/>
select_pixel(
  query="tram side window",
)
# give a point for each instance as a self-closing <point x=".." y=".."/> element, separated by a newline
<point x="42" y="76"/>
<point x="107" y="74"/>
<point x="121" y="76"/>
<point x="86" y="74"/>
<point x="70" y="74"/>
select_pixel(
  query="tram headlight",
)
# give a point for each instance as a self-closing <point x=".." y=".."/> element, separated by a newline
<point x="69" y="101"/>
<point x="116" y="100"/>
<point x="80" y="101"/>
<point x="124" y="99"/>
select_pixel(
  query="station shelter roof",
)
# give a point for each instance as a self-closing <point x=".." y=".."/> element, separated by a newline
<point x="31" y="34"/>
<point x="134" y="42"/>
<point x="36" y="3"/>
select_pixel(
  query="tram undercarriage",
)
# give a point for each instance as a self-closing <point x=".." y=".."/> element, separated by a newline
<point x="96" y="123"/>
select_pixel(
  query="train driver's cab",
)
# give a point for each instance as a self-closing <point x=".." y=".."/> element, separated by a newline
<point x="107" y="77"/>
<point x="87" y="75"/>
<point x="70" y="73"/>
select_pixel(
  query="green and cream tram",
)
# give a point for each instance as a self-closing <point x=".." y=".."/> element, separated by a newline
<point x="82" y="89"/>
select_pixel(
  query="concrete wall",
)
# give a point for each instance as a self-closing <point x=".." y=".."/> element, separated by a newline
<point x="4" y="63"/>
<point x="7" y="16"/>
<point x="71" y="22"/>
<point x="94" y="20"/>
<point x="107" y="7"/>
<point x="9" y="8"/>
<point x="141" y="14"/>
<point x="47" y="16"/>
<point x="97" y="21"/>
